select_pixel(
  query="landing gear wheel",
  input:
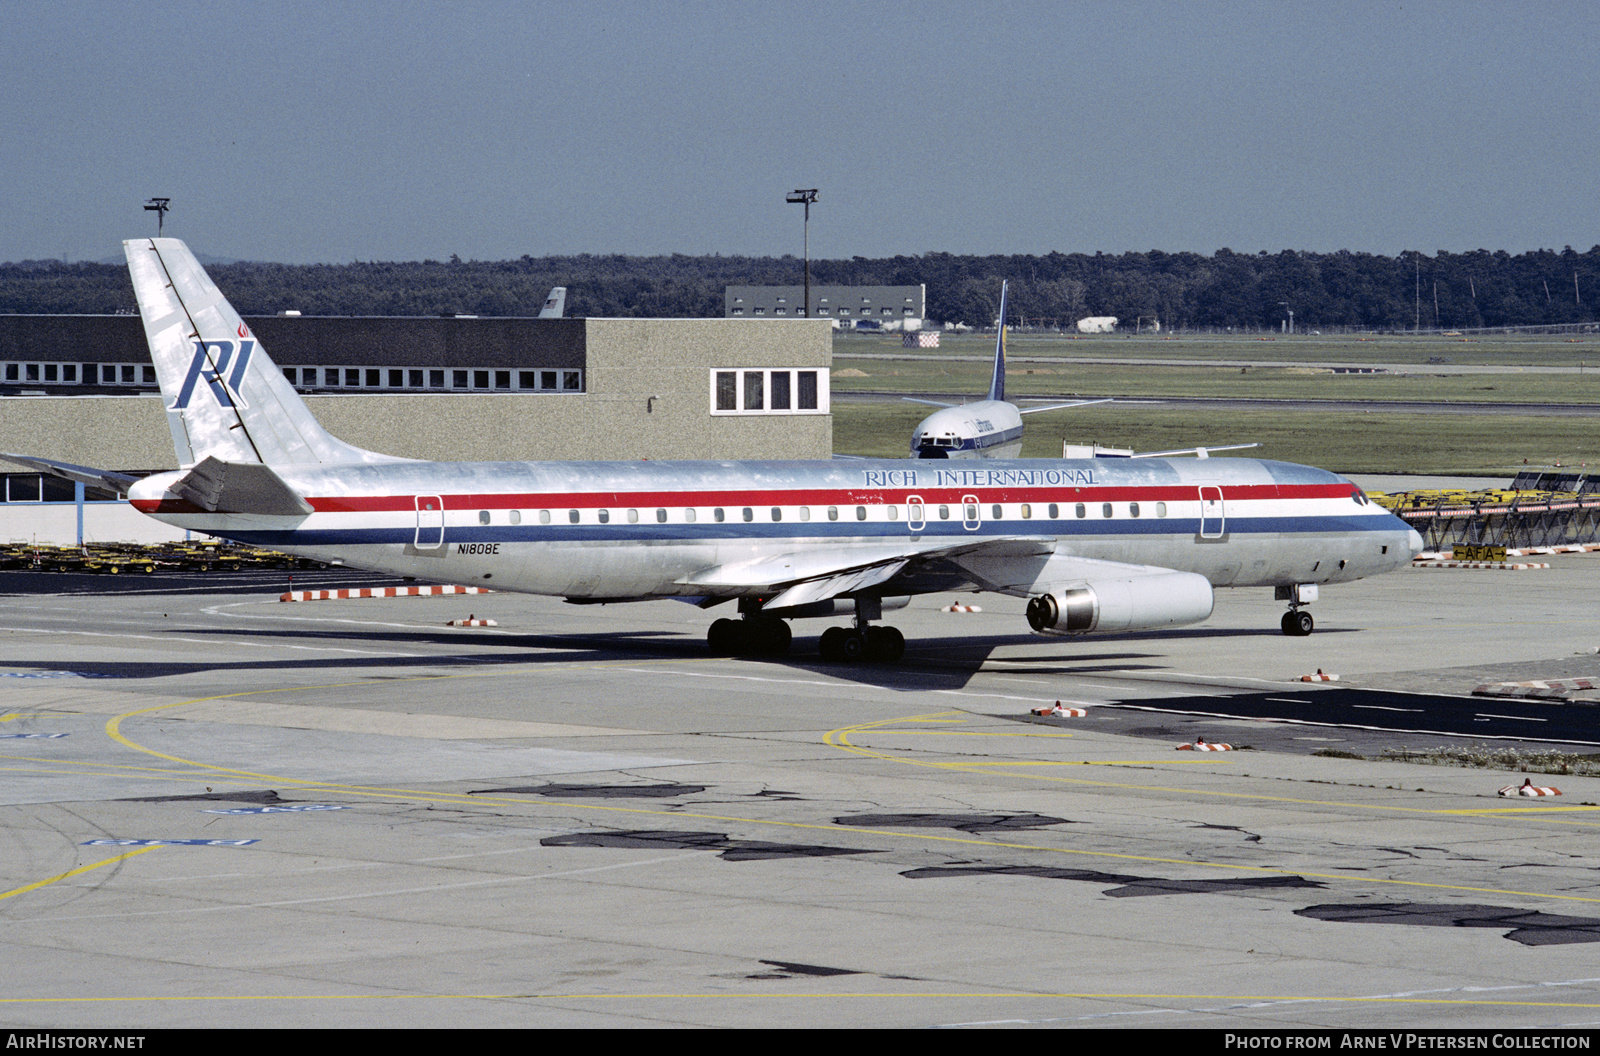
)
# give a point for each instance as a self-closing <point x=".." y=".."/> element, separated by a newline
<point x="1298" y="623"/>
<point x="885" y="644"/>
<point x="829" y="645"/>
<point x="756" y="636"/>
<point x="723" y="637"/>
<point x="768" y="636"/>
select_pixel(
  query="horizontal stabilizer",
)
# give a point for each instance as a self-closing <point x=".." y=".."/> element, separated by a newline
<point x="95" y="478"/>
<point x="239" y="487"/>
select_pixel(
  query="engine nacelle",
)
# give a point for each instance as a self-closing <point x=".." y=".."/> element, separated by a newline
<point x="1164" y="599"/>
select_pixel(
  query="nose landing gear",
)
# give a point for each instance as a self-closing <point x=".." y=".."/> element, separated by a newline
<point x="1297" y="621"/>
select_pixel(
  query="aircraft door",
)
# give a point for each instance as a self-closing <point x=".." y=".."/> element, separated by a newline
<point x="916" y="513"/>
<point x="1213" y="517"/>
<point x="971" y="513"/>
<point x="430" y="522"/>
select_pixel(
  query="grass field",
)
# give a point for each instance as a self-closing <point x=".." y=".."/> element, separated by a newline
<point x="1511" y="349"/>
<point x="1370" y="442"/>
<point x="1215" y="371"/>
<point x="1427" y="444"/>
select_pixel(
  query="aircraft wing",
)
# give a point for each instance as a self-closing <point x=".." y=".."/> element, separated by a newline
<point x="801" y="577"/>
<point x="1059" y="406"/>
<point x="97" y="478"/>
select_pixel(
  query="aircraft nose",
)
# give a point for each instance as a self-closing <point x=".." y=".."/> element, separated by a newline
<point x="1415" y="542"/>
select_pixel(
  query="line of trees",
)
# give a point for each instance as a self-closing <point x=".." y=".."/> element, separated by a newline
<point x="1182" y="290"/>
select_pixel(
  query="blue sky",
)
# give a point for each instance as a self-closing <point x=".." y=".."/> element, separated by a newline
<point x="338" y="131"/>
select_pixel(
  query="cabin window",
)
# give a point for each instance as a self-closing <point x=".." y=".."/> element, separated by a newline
<point x="483" y="516"/>
<point x="1161" y="509"/>
<point x="688" y="514"/>
<point x="994" y="513"/>
<point x="749" y="514"/>
<point x="861" y="513"/>
<point x="633" y="516"/>
<point x="572" y="515"/>
<point x="605" y="516"/>
<point x="544" y="516"/>
<point x="1026" y="510"/>
<point x="833" y="513"/>
<point x="1133" y="509"/>
<point x="1055" y="511"/>
<point x="970" y="511"/>
<point x="893" y="512"/>
<point x="1082" y="511"/>
<point x="944" y="513"/>
<point x="717" y="515"/>
<point x="777" y="513"/>
<point x="1105" y="509"/>
<point x="516" y="516"/>
<point x="661" y="516"/>
<point x="805" y="513"/>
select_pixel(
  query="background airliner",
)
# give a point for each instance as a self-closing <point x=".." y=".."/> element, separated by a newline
<point x="987" y="428"/>
<point x="1093" y="544"/>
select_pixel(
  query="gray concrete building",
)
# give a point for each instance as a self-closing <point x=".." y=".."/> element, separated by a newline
<point x="80" y="389"/>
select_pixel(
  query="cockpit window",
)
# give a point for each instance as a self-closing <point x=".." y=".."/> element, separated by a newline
<point x="1359" y="496"/>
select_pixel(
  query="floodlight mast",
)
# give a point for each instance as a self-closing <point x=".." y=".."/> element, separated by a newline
<point x="159" y="207"/>
<point x="805" y="197"/>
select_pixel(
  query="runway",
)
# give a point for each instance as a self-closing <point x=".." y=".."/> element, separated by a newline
<point x="224" y="810"/>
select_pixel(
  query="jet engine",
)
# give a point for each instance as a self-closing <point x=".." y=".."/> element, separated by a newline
<point x="1162" y="599"/>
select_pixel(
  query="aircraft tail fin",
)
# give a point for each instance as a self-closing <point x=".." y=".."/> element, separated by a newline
<point x="554" y="304"/>
<point x="225" y="398"/>
<point x="997" y="385"/>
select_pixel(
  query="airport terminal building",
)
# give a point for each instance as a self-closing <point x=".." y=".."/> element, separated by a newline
<point x="847" y="307"/>
<point x="81" y="389"/>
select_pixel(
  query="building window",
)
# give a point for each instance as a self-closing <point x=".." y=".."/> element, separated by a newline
<point x="769" y="391"/>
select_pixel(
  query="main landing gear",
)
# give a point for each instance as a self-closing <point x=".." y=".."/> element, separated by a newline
<point x="863" y="642"/>
<point x="755" y="635"/>
<point x="760" y="634"/>
<point x="854" y="645"/>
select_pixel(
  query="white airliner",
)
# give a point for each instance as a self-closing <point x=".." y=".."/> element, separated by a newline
<point x="988" y="428"/>
<point x="1094" y="544"/>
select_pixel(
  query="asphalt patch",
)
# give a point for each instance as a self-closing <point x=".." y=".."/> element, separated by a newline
<point x="1529" y="927"/>
<point x="1126" y="885"/>
<point x="267" y="796"/>
<point x="961" y="822"/>
<point x="664" y="791"/>
<point x="729" y="849"/>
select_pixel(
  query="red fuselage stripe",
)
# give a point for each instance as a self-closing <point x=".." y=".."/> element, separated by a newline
<point x="841" y="496"/>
